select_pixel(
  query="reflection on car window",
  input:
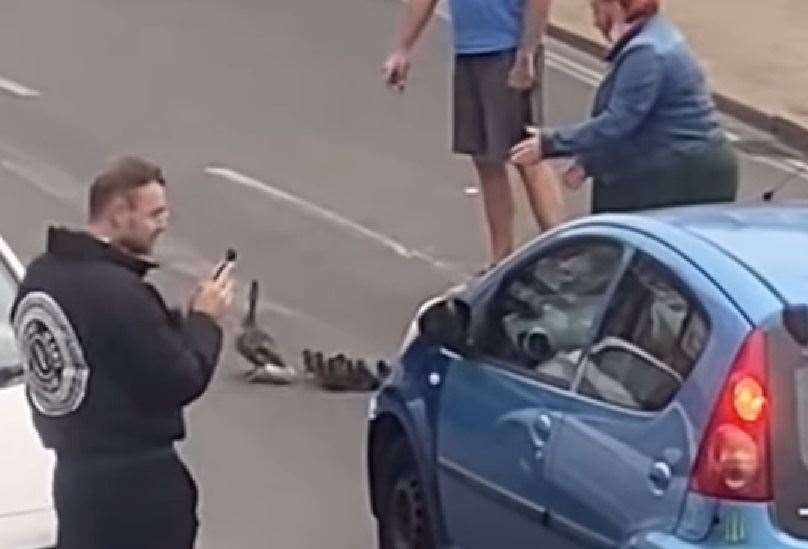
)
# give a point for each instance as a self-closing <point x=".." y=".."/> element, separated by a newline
<point x="8" y="348"/>
<point x="651" y="337"/>
<point x="542" y="319"/>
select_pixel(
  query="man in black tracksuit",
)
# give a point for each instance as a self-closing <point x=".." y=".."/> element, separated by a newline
<point x="109" y="369"/>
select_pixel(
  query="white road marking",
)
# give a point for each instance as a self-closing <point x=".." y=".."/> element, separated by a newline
<point x="16" y="89"/>
<point x="52" y="182"/>
<point x="334" y="218"/>
<point x="799" y="165"/>
<point x="796" y="168"/>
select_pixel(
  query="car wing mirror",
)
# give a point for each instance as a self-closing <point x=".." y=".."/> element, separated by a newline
<point x="446" y="322"/>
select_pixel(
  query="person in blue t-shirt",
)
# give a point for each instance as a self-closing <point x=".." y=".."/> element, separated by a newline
<point x="497" y="93"/>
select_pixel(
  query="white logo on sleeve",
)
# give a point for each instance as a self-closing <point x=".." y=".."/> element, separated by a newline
<point x="55" y="370"/>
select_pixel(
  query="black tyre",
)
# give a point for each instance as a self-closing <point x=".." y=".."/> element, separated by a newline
<point x="404" y="521"/>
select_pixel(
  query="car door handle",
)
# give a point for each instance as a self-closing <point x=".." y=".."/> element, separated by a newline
<point x="544" y="426"/>
<point x="538" y="427"/>
<point x="660" y="477"/>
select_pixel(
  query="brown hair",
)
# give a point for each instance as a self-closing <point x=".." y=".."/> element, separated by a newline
<point x="639" y="9"/>
<point x="121" y="178"/>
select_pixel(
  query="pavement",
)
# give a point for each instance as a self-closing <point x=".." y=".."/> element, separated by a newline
<point x="278" y="138"/>
<point x="755" y="53"/>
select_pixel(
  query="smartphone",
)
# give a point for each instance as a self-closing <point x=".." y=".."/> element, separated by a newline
<point x="229" y="257"/>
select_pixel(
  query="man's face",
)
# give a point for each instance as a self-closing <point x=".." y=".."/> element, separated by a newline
<point x="143" y="220"/>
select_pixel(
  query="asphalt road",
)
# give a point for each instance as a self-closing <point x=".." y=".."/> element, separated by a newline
<point x="277" y="138"/>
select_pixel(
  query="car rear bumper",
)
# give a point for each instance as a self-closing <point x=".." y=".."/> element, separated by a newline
<point x="739" y="525"/>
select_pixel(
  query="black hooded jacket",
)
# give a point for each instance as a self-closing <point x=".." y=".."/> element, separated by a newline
<point x="108" y="366"/>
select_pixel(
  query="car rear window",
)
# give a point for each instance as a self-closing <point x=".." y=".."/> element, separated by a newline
<point x="652" y="335"/>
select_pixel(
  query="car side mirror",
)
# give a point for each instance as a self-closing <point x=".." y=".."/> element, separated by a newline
<point x="446" y="323"/>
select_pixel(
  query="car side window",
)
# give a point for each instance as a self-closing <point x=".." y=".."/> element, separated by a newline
<point x="652" y="335"/>
<point x="541" y="320"/>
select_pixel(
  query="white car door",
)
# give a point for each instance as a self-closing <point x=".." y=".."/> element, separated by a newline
<point x="27" y="519"/>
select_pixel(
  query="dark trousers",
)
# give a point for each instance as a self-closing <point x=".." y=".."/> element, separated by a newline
<point x="135" y="500"/>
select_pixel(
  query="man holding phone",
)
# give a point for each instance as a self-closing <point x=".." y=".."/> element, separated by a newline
<point x="498" y="65"/>
<point x="109" y="368"/>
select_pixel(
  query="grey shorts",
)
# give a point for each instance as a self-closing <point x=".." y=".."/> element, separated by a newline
<point x="489" y="116"/>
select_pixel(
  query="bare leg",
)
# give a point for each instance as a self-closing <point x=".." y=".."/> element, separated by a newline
<point x="498" y="204"/>
<point x="544" y="193"/>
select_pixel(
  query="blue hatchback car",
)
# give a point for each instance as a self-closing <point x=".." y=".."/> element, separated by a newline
<point x="636" y="381"/>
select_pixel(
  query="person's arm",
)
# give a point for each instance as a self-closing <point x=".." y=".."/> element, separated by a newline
<point x="638" y="81"/>
<point x="165" y="362"/>
<point x="418" y="14"/>
<point x="534" y="25"/>
<point x="397" y="65"/>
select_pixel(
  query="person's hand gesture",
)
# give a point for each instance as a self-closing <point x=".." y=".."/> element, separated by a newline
<point x="526" y="153"/>
<point x="522" y="75"/>
<point x="214" y="296"/>
<point x="396" y="68"/>
<point x="574" y="177"/>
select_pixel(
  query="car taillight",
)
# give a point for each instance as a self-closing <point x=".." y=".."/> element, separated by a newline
<point x="733" y="461"/>
<point x="748" y="399"/>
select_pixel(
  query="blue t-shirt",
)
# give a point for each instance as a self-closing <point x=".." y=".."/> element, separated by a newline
<point x="485" y="26"/>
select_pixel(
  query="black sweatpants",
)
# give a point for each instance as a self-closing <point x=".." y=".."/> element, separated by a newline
<point x="135" y="500"/>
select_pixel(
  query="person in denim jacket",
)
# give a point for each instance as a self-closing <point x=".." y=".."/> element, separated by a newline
<point x="654" y="139"/>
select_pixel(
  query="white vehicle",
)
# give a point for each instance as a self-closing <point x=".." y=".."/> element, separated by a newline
<point x="27" y="518"/>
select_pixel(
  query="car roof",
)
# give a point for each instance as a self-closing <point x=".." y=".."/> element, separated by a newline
<point x="768" y="238"/>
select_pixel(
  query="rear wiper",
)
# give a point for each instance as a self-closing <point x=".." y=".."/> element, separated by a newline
<point x="774" y="150"/>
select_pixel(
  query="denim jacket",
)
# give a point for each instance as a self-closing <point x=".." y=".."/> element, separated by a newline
<point x="652" y="107"/>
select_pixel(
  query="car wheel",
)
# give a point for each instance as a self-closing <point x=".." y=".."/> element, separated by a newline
<point x="404" y="519"/>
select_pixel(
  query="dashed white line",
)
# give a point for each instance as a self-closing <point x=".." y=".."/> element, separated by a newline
<point x="16" y="89"/>
<point x="329" y="216"/>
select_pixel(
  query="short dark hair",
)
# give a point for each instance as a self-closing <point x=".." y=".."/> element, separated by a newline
<point x="123" y="176"/>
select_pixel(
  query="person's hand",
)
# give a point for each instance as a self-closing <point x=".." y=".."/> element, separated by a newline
<point x="526" y="153"/>
<point x="574" y="177"/>
<point x="214" y="297"/>
<point x="396" y="68"/>
<point x="522" y="75"/>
